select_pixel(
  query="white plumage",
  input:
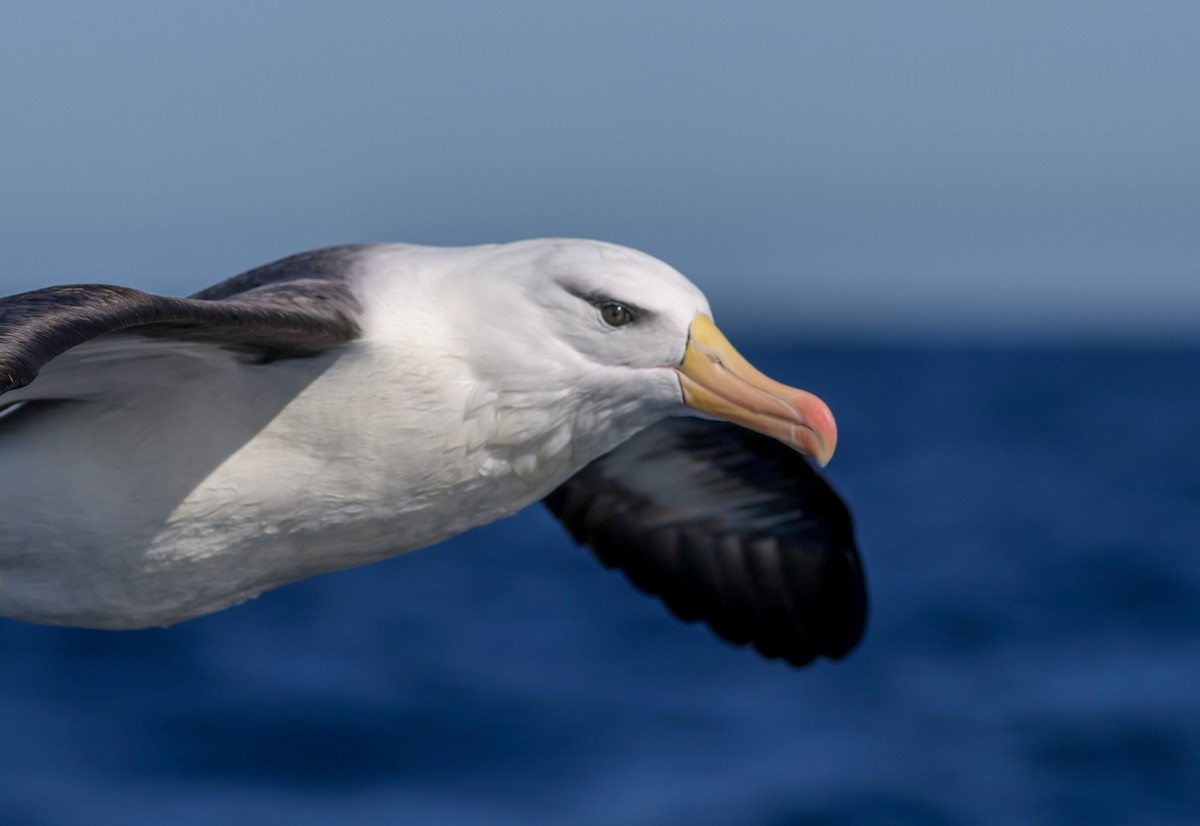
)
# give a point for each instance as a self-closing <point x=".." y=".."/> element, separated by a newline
<point x="168" y="467"/>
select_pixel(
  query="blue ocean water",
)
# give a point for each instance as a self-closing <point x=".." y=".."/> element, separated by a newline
<point x="1029" y="521"/>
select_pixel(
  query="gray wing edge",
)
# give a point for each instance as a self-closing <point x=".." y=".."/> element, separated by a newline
<point x="295" y="307"/>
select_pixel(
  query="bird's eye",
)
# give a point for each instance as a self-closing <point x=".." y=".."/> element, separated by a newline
<point x="614" y="314"/>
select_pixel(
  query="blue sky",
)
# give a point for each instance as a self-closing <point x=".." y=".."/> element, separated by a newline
<point x="895" y="170"/>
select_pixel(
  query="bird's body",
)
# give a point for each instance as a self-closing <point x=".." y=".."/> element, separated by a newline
<point x="170" y="464"/>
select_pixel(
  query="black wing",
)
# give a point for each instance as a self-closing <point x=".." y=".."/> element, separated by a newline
<point x="298" y="306"/>
<point x="728" y="527"/>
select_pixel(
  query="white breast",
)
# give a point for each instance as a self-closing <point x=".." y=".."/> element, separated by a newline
<point x="158" y="507"/>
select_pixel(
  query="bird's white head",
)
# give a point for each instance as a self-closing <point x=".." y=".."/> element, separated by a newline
<point x="612" y="333"/>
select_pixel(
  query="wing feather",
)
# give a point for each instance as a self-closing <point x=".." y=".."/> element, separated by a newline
<point x="727" y="527"/>
<point x="298" y="306"/>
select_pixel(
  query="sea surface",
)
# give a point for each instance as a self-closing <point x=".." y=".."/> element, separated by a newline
<point x="1030" y="524"/>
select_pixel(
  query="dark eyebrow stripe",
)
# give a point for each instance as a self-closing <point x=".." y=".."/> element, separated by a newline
<point x="597" y="299"/>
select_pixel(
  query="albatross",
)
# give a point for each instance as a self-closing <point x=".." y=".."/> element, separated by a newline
<point x="163" y="458"/>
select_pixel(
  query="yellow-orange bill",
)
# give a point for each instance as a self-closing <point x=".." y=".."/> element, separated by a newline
<point x="716" y="380"/>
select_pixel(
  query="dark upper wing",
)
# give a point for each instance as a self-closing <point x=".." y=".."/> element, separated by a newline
<point x="728" y="527"/>
<point x="298" y="306"/>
